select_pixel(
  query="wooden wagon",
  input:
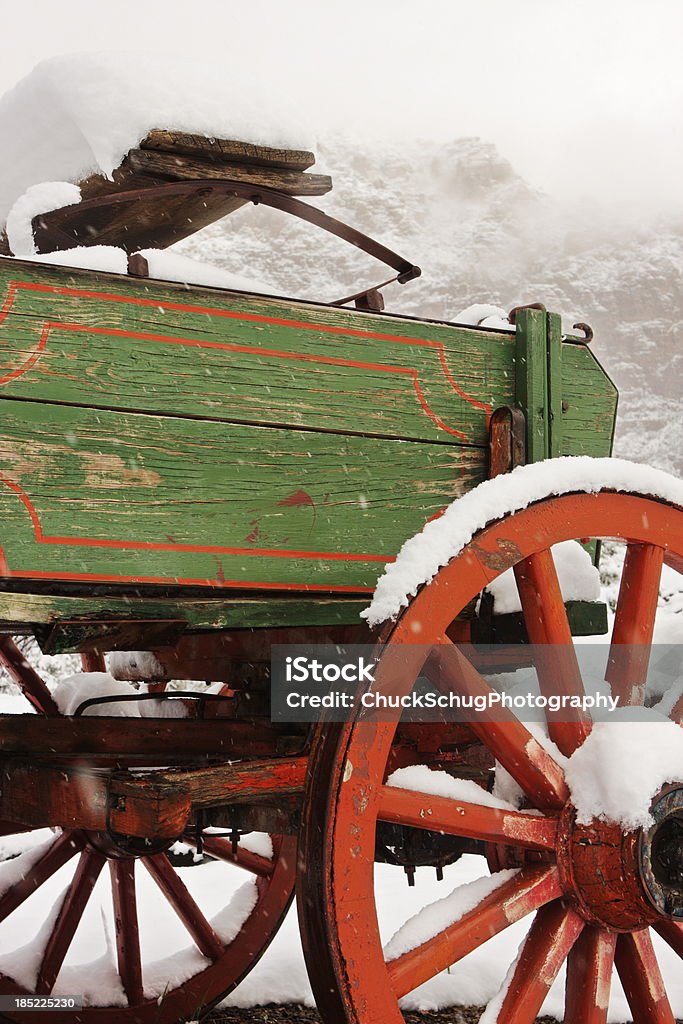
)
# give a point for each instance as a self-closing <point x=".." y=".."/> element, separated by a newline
<point x="196" y="474"/>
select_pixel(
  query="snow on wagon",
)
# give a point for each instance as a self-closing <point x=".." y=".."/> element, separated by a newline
<point x="196" y="472"/>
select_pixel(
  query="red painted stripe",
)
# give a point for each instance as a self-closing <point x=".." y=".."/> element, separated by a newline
<point x="432" y="415"/>
<point x="94" y="542"/>
<point x="254" y="318"/>
<point x="230" y="347"/>
<point x="150" y="545"/>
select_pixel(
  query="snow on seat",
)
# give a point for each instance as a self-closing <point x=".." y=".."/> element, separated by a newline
<point x="79" y="114"/>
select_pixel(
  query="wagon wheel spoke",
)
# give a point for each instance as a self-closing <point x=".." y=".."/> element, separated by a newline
<point x="222" y="849"/>
<point x="508" y="739"/>
<point x="66" y="846"/>
<point x="641" y="977"/>
<point x="93" y="661"/>
<point x="553" y="933"/>
<point x="177" y="894"/>
<point x="70" y="913"/>
<point x="26" y="677"/>
<point x="126" y="925"/>
<point x="529" y="889"/>
<point x="672" y="932"/>
<point x="589" y="977"/>
<point x="634" y="622"/>
<point x="460" y="818"/>
<point x="545" y="617"/>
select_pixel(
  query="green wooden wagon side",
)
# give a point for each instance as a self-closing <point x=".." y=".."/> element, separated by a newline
<point x="276" y="451"/>
<point x="195" y="474"/>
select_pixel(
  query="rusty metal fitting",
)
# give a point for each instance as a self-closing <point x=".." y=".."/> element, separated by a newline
<point x="529" y="305"/>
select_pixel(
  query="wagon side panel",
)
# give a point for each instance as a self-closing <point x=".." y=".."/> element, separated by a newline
<point x="150" y="435"/>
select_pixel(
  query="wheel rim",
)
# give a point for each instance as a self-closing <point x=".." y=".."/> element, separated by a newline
<point x="337" y="908"/>
<point x="223" y="955"/>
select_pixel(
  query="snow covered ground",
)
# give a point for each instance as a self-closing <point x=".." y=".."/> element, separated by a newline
<point x="280" y="977"/>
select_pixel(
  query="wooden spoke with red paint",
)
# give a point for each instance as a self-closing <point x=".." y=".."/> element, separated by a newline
<point x="641" y="977"/>
<point x="532" y="888"/>
<point x="589" y="977"/>
<point x="33" y="687"/>
<point x="507" y="738"/>
<point x="66" y="846"/>
<point x="85" y="855"/>
<point x="70" y="913"/>
<point x="548" y="628"/>
<point x="554" y="931"/>
<point x="672" y="932"/>
<point x="126" y="925"/>
<point x="185" y="907"/>
<point x="464" y="818"/>
<point x="634" y="622"/>
<point x="549" y="861"/>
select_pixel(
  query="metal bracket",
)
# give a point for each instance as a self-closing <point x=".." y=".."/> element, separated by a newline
<point x="507" y="440"/>
<point x="69" y="226"/>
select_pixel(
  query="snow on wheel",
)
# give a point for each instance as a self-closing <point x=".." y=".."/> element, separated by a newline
<point x="590" y="853"/>
<point x="115" y="919"/>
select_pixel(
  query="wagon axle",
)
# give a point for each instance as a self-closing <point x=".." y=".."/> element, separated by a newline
<point x="661" y="854"/>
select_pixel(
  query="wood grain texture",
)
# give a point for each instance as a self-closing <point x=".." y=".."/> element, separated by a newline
<point x="105" y="341"/>
<point x="152" y="435"/>
<point x="531" y="375"/>
<point x="180" y="167"/>
<point x="92" y="494"/>
<point x="554" y="384"/>
<point x="590" y="404"/>
<point x="150" y="221"/>
<point x="32" y="736"/>
<point x="179" y="156"/>
<point x="227" y="149"/>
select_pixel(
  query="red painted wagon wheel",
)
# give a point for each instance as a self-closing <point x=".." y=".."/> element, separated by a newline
<point x="592" y="927"/>
<point x="223" y="960"/>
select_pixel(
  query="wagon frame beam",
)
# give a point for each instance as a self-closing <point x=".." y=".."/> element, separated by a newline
<point x="156" y="805"/>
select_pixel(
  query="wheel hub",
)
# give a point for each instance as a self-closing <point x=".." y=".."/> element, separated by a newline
<point x="624" y="880"/>
<point x="661" y="854"/>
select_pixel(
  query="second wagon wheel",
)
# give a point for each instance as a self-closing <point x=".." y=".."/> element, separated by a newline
<point x="599" y="894"/>
<point x="114" y="919"/>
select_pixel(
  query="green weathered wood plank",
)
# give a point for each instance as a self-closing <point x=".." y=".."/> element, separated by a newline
<point x="586" y="618"/>
<point x="110" y="341"/>
<point x="554" y="384"/>
<point x="590" y="404"/>
<point x="152" y="434"/>
<point x="531" y="380"/>
<point x="18" y="610"/>
<point x="100" y="495"/>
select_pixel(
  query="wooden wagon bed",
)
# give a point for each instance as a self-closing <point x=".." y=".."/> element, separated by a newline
<point x="154" y="437"/>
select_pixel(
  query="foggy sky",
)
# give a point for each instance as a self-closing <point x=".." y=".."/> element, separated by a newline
<point x="584" y="98"/>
